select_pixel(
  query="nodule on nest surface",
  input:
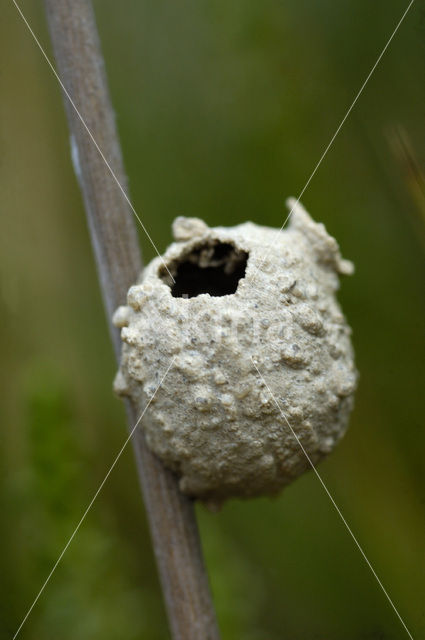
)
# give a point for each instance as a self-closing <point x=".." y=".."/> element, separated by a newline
<point x="220" y="304"/>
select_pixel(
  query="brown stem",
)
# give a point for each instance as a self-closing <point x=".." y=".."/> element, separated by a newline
<point x="171" y="515"/>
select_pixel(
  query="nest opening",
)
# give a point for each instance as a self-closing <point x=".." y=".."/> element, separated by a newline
<point x="213" y="267"/>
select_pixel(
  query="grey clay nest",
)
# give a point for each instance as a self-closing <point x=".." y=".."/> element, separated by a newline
<point x="241" y="294"/>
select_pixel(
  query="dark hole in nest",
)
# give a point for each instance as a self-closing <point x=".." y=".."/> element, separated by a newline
<point x="212" y="268"/>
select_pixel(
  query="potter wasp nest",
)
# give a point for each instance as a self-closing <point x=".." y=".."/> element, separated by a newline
<point x="224" y="302"/>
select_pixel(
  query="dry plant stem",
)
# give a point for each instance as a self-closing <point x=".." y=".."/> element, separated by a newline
<point x="171" y="515"/>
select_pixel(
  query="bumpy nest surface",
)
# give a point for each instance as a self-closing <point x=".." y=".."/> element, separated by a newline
<point x="239" y="294"/>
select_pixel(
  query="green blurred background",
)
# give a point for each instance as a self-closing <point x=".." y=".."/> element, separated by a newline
<point x="224" y="108"/>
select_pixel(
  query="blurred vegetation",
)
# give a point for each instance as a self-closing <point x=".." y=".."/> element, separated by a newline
<point x="224" y="109"/>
